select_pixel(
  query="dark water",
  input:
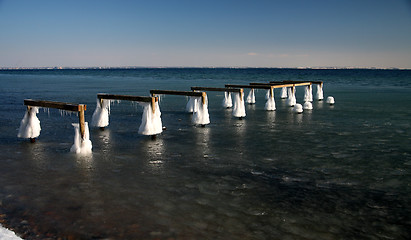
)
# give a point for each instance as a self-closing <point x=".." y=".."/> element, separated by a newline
<point x="336" y="172"/>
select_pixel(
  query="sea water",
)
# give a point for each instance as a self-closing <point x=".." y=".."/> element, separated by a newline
<point x="339" y="171"/>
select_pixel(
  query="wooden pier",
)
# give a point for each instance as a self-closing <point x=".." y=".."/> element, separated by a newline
<point x="80" y="108"/>
<point x="203" y="95"/>
<point x="151" y="100"/>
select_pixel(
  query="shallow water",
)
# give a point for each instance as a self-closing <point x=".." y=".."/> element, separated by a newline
<point x="334" y="172"/>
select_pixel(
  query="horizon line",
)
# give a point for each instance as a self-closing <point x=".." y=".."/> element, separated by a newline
<point x="204" y="67"/>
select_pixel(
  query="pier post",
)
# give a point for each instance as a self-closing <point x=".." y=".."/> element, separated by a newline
<point x="82" y="124"/>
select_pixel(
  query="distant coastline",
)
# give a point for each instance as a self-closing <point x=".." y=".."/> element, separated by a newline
<point x="177" y="67"/>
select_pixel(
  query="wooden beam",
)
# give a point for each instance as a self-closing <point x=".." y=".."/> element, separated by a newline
<point x="180" y="93"/>
<point x="125" y="97"/>
<point x="216" y="89"/>
<point x="82" y="121"/>
<point x="289" y="81"/>
<point x="248" y="86"/>
<point x="273" y="85"/>
<point x="58" y="105"/>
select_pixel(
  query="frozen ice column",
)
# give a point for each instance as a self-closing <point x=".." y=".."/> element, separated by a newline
<point x="251" y="97"/>
<point x="201" y="115"/>
<point x="101" y="114"/>
<point x="270" y="104"/>
<point x="238" y="106"/>
<point x="151" y="120"/>
<point x="30" y="124"/>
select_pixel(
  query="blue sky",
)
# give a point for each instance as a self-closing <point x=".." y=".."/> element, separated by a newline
<point x="198" y="33"/>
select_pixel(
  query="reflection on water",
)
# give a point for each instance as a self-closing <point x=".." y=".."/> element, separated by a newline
<point x="335" y="172"/>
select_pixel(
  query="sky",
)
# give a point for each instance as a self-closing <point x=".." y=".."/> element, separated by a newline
<point x="205" y="33"/>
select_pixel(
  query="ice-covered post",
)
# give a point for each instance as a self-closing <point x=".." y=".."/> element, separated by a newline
<point x="251" y="97"/>
<point x="270" y="104"/>
<point x="30" y="125"/>
<point x="291" y="96"/>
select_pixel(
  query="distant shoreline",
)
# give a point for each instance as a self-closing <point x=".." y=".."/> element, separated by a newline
<point x="137" y="67"/>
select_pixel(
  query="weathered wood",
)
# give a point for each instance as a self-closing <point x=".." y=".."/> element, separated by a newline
<point x="124" y="97"/>
<point x="248" y="86"/>
<point x="51" y="104"/>
<point x="153" y="104"/>
<point x="82" y="121"/>
<point x="273" y="85"/>
<point x="180" y="93"/>
<point x="216" y="89"/>
<point x="291" y="81"/>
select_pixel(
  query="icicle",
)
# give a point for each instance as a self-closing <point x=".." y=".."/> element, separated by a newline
<point x="201" y="116"/>
<point x="150" y="122"/>
<point x="227" y="102"/>
<point x="291" y="101"/>
<point x="298" y="108"/>
<point x="308" y="94"/>
<point x="320" y="95"/>
<point x="190" y="104"/>
<point x="270" y="104"/>
<point x="238" y="107"/>
<point x="101" y="114"/>
<point x="308" y="105"/>
<point x="284" y="92"/>
<point x="251" y="97"/>
<point x="30" y="124"/>
<point x="330" y="100"/>
<point x="81" y="146"/>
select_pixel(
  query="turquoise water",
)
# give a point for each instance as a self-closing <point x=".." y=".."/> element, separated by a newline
<point x="336" y="172"/>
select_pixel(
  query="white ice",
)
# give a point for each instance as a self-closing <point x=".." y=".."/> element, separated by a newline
<point x="227" y="102"/>
<point x="200" y="115"/>
<point x="6" y="234"/>
<point x="330" y="100"/>
<point x="291" y="101"/>
<point x="100" y="116"/>
<point x="81" y="146"/>
<point x="283" y="92"/>
<point x="238" y="106"/>
<point x="308" y="105"/>
<point x="251" y="97"/>
<point x="190" y="104"/>
<point x="319" y="95"/>
<point x="270" y="104"/>
<point x="30" y="124"/>
<point x="298" y="108"/>
<point x="308" y="94"/>
<point x="150" y="122"/>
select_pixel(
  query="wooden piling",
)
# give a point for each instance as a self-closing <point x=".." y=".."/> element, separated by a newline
<point x="82" y="122"/>
<point x="80" y="108"/>
<point x="173" y="92"/>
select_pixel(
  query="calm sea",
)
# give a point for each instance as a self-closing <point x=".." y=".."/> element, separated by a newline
<point x="335" y="172"/>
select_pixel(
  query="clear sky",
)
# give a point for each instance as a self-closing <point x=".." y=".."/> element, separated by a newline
<point x="205" y="33"/>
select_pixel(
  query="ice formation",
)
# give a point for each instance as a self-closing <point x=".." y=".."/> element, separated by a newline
<point x="238" y="106"/>
<point x="320" y="95"/>
<point x="227" y="102"/>
<point x="298" y="108"/>
<point x="308" y="105"/>
<point x="100" y="116"/>
<point x="200" y="115"/>
<point x="251" y="97"/>
<point x="30" y="124"/>
<point x="190" y="104"/>
<point x="270" y="104"/>
<point x="291" y="101"/>
<point x="81" y="145"/>
<point x="308" y="94"/>
<point x="330" y="100"/>
<point x="150" y="122"/>
<point x="284" y="92"/>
